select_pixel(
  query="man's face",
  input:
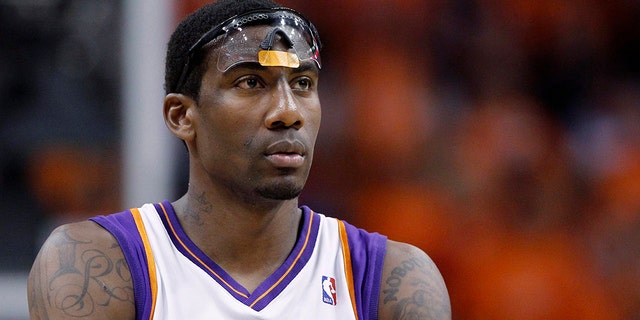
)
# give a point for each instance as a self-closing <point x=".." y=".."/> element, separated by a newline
<point x="256" y="127"/>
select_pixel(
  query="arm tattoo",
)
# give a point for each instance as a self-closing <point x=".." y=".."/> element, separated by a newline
<point x="428" y="298"/>
<point x="81" y="269"/>
<point x="413" y="307"/>
<point x="399" y="273"/>
<point x="36" y="297"/>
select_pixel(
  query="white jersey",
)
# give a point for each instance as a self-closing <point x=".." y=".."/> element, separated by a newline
<point x="333" y="271"/>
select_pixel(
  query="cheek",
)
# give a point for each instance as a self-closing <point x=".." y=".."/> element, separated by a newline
<point x="313" y="121"/>
<point x="229" y="137"/>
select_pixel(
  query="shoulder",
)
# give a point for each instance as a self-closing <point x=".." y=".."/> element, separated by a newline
<point x="412" y="286"/>
<point x="80" y="271"/>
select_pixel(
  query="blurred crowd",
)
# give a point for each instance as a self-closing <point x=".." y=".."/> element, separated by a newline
<point x="500" y="136"/>
<point x="59" y="120"/>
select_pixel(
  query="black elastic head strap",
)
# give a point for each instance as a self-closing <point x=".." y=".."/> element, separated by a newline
<point x="267" y="44"/>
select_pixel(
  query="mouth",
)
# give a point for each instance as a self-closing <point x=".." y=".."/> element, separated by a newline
<point x="286" y="154"/>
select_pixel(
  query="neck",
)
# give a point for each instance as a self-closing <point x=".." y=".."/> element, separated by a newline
<point x="249" y="242"/>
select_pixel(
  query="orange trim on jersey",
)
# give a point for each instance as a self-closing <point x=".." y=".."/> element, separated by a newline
<point x="306" y="241"/>
<point x="151" y="264"/>
<point x="164" y="211"/>
<point x="346" y="254"/>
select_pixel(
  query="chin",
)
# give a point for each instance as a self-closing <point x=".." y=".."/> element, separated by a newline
<point x="282" y="191"/>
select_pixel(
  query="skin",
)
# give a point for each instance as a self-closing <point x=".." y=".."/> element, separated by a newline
<point x="241" y="135"/>
<point x="80" y="273"/>
<point x="412" y="287"/>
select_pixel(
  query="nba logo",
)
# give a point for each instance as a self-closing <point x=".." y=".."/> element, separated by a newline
<point x="329" y="290"/>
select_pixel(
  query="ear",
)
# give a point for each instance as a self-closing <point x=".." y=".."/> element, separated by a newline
<point x="178" y="115"/>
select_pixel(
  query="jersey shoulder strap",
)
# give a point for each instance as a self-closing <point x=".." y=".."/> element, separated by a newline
<point x="367" y="251"/>
<point x="123" y="227"/>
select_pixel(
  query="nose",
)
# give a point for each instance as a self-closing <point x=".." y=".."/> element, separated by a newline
<point x="284" y="111"/>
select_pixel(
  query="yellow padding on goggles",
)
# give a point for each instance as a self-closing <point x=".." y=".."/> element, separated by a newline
<point x="271" y="58"/>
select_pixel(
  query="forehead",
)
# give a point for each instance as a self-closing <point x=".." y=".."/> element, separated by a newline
<point x="308" y="68"/>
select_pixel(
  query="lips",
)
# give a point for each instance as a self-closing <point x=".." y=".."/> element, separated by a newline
<point x="286" y="153"/>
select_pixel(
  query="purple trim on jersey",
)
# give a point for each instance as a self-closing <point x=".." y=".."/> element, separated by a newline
<point x="309" y="230"/>
<point x="367" y="258"/>
<point x="123" y="228"/>
<point x="258" y="299"/>
<point x="193" y="252"/>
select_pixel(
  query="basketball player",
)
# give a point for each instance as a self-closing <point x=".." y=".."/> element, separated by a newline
<point x="241" y="84"/>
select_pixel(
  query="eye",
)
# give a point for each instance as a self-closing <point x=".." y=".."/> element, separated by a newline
<point x="302" y="83"/>
<point x="249" y="83"/>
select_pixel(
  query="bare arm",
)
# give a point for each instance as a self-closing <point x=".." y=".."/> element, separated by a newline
<point x="80" y="272"/>
<point x="412" y="287"/>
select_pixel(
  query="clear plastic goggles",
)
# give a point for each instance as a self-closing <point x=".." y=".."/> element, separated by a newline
<point x="276" y="45"/>
<point x="273" y="37"/>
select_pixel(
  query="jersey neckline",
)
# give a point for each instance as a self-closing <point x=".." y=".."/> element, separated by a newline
<point x="273" y="285"/>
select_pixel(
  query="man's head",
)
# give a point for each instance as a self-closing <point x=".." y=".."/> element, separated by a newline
<point x="221" y="24"/>
<point x="243" y="96"/>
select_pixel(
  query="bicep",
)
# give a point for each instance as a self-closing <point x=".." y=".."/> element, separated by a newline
<point x="80" y="272"/>
<point x="412" y="287"/>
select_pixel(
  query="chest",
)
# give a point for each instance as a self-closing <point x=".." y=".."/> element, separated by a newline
<point x="313" y="282"/>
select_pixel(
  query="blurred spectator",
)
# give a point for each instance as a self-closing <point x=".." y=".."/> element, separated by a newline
<point x="72" y="183"/>
<point x="607" y="148"/>
<point x="519" y="254"/>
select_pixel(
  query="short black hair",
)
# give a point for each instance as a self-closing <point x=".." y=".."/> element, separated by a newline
<point x="191" y="29"/>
